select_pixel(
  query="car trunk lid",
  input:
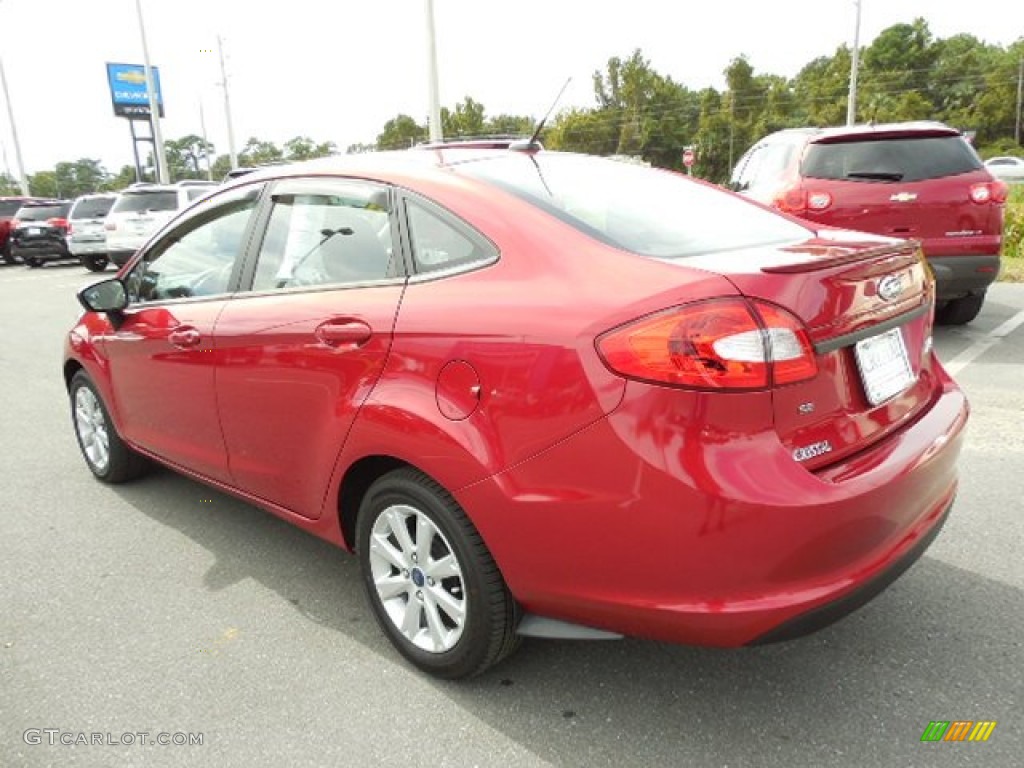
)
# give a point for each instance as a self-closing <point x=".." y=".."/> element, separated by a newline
<point x="867" y="306"/>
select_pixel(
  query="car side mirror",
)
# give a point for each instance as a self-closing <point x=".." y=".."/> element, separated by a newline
<point x="104" y="296"/>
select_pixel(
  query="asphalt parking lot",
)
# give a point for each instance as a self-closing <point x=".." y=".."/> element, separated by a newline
<point x="163" y="607"/>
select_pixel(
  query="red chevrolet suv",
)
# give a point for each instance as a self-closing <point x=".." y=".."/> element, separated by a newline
<point x="921" y="181"/>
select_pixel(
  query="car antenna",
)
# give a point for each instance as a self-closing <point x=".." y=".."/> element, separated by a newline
<point x="533" y="144"/>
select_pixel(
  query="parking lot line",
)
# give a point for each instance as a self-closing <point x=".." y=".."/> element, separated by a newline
<point x="985" y="343"/>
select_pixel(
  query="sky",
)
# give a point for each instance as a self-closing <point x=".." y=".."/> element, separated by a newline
<point x="337" y="70"/>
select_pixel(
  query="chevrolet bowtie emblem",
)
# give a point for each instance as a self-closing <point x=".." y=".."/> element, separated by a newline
<point x="903" y="197"/>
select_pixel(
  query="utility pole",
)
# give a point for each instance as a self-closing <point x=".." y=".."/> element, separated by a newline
<point x="206" y="142"/>
<point x="22" y="178"/>
<point x="160" y="156"/>
<point x="851" y="102"/>
<point x="227" y="104"/>
<point x="436" y="134"/>
<point x="1020" y="92"/>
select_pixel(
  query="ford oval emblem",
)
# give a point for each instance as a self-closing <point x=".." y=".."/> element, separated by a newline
<point x="889" y="287"/>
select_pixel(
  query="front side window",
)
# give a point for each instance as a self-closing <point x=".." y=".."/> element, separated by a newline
<point x="198" y="257"/>
<point x="326" y="232"/>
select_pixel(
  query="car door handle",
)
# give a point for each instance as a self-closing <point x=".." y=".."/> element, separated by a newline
<point x="335" y="333"/>
<point x="184" y="337"/>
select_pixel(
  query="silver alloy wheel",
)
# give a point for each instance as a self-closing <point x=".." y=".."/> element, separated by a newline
<point x="91" y="425"/>
<point x="418" y="578"/>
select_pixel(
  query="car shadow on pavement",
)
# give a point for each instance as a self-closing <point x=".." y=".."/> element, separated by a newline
<point x="942" y="643"/>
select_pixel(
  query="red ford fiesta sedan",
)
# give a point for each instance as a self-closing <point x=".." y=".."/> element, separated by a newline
<point x="537" y="393"/>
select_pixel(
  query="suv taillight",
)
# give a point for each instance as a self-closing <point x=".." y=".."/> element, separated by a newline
<point x="109" y="225"/>
<point x="59" y="223"/>
<point x="797" y="200"/>
<point x="990" y="192"/>
<point x="716" y="344"/>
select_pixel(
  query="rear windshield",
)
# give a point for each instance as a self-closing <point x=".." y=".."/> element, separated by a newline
<point x="643" y="210"/>
<point x="9" y="207"/>
<point x="92" y="208"/>
<point x="891" y="159"/>
<point x="130" y="202"/>
<point x="43" y="212"/>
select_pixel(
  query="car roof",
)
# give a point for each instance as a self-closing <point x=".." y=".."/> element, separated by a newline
<point x="922" y="128"/>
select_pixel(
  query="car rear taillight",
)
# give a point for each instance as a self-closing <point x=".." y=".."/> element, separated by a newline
<point x="990" y="192"/>
<point x="716" y="344"/>
<point x="797" y="200"/>
<point x="110" y="226"/>
<point x="58" y="223"/>
<point x="15" y="223"/>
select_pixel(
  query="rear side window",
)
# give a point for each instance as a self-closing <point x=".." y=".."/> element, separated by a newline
<point x="132" y="202"/>
<point x="43" y="212"/>
<point x="890" y="159"/>
<point x="642" y="210"/>
<point x="92" y="208"/>
<point x="439" y="243"/>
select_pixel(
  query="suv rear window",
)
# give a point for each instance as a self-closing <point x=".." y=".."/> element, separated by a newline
<point x="642" y="210"/>
<point x="43" y="212"/>
<point x="92" y="208"/>
<point x="890" y="159"/>
<point x="130" y="202"/>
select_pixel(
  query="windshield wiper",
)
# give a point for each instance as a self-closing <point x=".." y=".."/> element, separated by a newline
<point x="875" y="175"/>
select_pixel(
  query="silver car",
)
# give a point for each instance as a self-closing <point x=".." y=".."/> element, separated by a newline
<point x="1009" y="169"/>
<point x="87" y="240"/>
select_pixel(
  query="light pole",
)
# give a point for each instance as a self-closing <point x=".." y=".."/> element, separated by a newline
<point x="436" y="133"/>
<point x="227" y="105"/>
<point x="851" y="102"/>
<point x="154" y="107"/>
<point x="22" y="178"/>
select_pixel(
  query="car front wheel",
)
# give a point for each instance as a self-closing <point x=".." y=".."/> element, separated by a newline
<point x="433" y="585"/>
<point x="106" y="455"/>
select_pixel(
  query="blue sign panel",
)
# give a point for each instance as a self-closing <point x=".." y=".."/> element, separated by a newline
<point x="128" y="90"/>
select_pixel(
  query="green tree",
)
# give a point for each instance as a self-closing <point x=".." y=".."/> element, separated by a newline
<point x="401" y="132"/>
<point x="8" y="185"/>
<point x="304" y="148"/>
<point x="467" y="119"/>
<point x="186" y="157"/>
<point x="259" y="152"/>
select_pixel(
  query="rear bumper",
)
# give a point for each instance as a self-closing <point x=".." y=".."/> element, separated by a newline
<point x="687" y="532"/>
<point x="48" y="251"/>
<point x="958" y="276"/>
<point x="87" y="248"/>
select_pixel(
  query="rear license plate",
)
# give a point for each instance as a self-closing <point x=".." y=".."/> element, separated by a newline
<point x="33" y="230"/>
<point x="884" y="365"/>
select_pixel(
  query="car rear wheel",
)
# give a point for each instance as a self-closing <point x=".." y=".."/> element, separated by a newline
<point x="433" y="585"/>
<point x="106" y="455"/>
<point x="960" y="311"/>
<point x="94" y="262"/>
<point x="33" y="262"/>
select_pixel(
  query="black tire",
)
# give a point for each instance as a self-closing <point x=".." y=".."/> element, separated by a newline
<point x="6" y="254"/>
<point x="33" y="262"/>
<point x="122" y="463"/>
<point x="94" y="262"/>
<point x="960" y="311"/>
<point x="486" y="634"/>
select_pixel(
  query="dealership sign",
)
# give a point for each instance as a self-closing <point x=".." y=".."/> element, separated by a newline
<point x="128" y="90"/>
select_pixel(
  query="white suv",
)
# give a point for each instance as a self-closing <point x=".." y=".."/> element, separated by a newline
<point x="87" y="239"/>
<point x="142" y="209"/>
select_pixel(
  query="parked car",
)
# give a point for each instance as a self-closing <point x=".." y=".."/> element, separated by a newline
<point x="39" y="232"/>
<point x="537" y="394"/>
<point x="141" y="210"/>
<point x="87" y="239"/>
<point x="912" y="180"/>
<point x="8" y="209"/>
<point x="1009" y="169"/>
